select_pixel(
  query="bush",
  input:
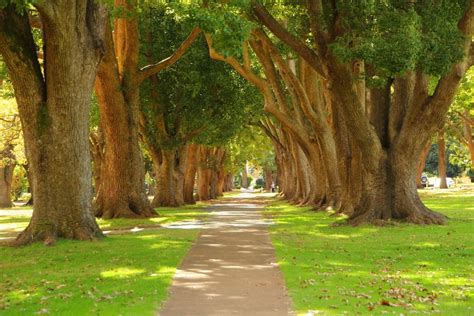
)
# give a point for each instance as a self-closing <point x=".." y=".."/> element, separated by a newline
<point x="470" y="174"/>
<point x="259" y="183"/>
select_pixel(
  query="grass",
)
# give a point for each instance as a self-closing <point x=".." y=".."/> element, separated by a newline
<point x="121" y="275"/>
<point x="400" y="269"/>
<point x="16" y="221"/>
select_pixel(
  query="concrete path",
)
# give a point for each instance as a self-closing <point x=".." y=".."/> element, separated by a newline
<point x="231" y="268"/>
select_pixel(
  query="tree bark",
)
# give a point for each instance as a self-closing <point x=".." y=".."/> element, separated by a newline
<point x="6" y="179"/>
<point x="268" y="179"/>
<point x="54" y="111"/>
<point x="121" y="192"/>
<point x="244" y="181"/>
<point x="421" y="163"/>
<point x="442" y="161"/>
<point x="190" y="173"/>
<point x="97" y="154"/>
<point x="217" y="172"/>
<point x="204" y="174"/>
<point x="170" y="171"/>
<point x="469" y="140"/>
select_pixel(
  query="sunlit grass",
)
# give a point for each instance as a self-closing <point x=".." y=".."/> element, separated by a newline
<point x="401" y="269"/>
<point x="14" y="223"/>
<point x="119" y="275"/>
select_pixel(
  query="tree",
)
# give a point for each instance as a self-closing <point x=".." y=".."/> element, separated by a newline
<point x="461" y="114"/>
<point x="442" y="160"/>
<point x="53" y="104"/>
<point x="351" y="44"/>
<point x="196" y="101"/>
<point x="122" y="192"/>
<point x="11" y="145"/>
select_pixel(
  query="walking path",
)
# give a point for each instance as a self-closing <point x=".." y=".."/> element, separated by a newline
<point x="231" y="269"/>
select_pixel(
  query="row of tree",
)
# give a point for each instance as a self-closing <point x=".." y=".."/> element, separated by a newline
<point x="352" y="93"/>
<point x="58" y="54"/>
<point x="355" y="91"/>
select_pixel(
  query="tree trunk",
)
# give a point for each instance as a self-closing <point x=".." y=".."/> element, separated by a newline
<point x="190" y="173"/>
<point x="217" y="172"/>
<point x="469" y="140"/>
<point x="54" y="111"/>
<point x="170" y="178"/>
<point x="389" y="171"/>
<point x="6" y="179"/>
<point x="204" y="174"/>
<point x="122" y="188"/>
<point x="228" y="182"/>
<point x="421" y="164"/>
<point x="268" y="179"/>
<point x="30" y="183"/>
<point x="97" y="154"/>
<point x="221" y="177"/>
<point x="442" y="161"/>
<point x="244" y="183"/>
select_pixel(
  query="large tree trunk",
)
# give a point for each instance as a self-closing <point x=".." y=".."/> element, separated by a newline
<point x="442" y="161"/>
<point x="122" y="188"/>
<point x="54" y="111"/>
<point x="170" y="177"/>
<point x="190" y="173"/>
<point x="389" y="172"/>
<point x="6" y="179"/>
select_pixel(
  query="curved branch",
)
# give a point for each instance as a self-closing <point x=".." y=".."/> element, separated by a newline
<point x="289" y="39"/>
<point x="242" y="70"/>
<point x="153" y="69"/>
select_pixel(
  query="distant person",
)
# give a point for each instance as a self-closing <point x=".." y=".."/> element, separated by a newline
<point x="273" y="187"/>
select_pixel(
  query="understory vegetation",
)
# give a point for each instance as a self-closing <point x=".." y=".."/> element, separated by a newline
<point x="336" y="269"/>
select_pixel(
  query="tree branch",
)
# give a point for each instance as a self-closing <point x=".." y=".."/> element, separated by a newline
<point x="193" y="134"/>
<point x="289" y="39"/>
<point x="246" y="73"/>
<point x="152" y="69"/>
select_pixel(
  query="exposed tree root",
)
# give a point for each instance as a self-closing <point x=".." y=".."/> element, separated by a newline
<point x="125" y="210"/>
<point x="49" y="236"/>
<point x="420" y="216"/>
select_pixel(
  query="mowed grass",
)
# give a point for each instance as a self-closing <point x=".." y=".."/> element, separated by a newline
<point x="15" y="221"/>
<point x="120" y="275"/>
<point x="398" y="269"/>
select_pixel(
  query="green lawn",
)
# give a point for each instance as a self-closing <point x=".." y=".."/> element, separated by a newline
<point x="119" y="275"/>
<point x="14" y="223"/>
<point x="400" y="269"/>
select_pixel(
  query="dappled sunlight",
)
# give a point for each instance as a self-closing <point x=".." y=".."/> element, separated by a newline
<point x="232" y="259"/>
<point x="410" y="268"/>
<point x="121" y="273"/>
<point x="427" y="245"/>
<point x="125" y="274"/>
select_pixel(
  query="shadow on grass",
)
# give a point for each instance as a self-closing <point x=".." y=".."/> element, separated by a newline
<point x="125" y="275"/>
<point x="395" y="269"/>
